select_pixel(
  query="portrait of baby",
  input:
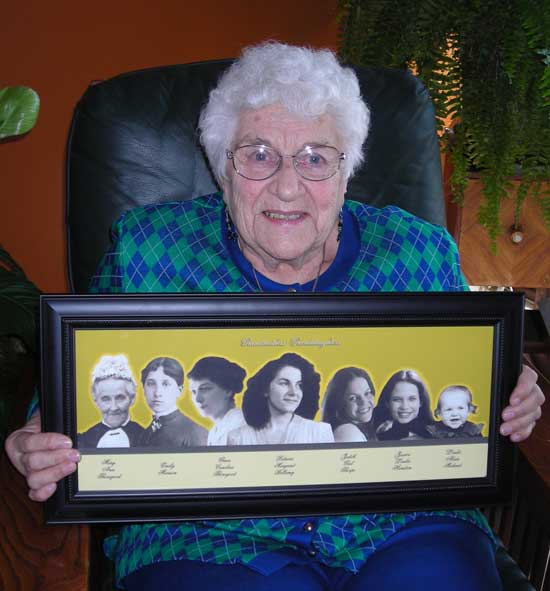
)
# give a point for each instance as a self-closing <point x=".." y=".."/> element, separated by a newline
<point x="453" y="409"/>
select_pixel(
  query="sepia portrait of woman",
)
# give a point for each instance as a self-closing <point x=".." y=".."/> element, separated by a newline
<point x="403" y="410"/>
<point x="348" y="405"/>
<point x="162" y="380"/>
<point x="279" y="404"/>
<point x="213" y="383"/>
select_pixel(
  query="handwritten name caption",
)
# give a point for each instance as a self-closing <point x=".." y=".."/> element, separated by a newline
<point x="224" y="468"/>
<point x="109" y="470"/>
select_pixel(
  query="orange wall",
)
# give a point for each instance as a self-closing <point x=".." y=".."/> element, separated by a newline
<point x="58" y="47"/>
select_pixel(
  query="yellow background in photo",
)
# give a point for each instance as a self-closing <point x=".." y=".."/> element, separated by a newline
<point x="443" y="356"/>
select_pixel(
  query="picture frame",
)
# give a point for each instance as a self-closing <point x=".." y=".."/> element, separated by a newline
<point x="466" y="348"/>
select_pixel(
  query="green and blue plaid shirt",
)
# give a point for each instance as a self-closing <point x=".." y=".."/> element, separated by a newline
<point x="184" y="247"/>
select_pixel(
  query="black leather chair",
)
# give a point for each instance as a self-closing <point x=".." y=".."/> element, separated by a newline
<point x="133" y="141"/>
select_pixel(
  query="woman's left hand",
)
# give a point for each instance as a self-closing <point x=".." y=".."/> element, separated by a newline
<point x="520" y="416"/>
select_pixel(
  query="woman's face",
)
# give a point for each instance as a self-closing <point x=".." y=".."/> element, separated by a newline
<point x="285" y="390"/>
<point x="404" y="402"/>
<point x="285" y="217"/>
<point x="210" y="399"/>
<point x="358" y="401"/>
<point x="161" y="392"/>
<point x="112" y="398"/>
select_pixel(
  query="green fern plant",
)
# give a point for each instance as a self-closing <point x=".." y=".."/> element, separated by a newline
<point x="486" y="64"/>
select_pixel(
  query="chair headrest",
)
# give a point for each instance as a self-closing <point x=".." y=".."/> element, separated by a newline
<point x="133" y="141"/>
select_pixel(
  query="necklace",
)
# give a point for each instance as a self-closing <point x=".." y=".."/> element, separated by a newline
<point x="291" y="289"/>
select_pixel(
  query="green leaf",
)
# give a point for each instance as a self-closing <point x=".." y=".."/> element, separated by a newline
<point x="19" y="106"/>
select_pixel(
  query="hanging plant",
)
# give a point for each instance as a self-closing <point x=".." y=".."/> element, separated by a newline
<point x="486" y="64"/>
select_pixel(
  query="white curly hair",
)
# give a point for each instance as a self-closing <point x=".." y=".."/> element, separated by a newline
<point x="306" y="82"/>
<point x="114" y="366"/>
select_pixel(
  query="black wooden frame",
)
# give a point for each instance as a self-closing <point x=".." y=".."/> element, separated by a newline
<point x="61" y="315"/>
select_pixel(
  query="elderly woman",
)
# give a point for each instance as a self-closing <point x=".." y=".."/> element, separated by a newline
<point x="403" y="409"/>
<point x="279" y="403"/>
<point x="283" y="131"/>
<point x="114" y="392"/>
<point x="162" y="380"/>
<point x="348" y="405"/>
<point x="213" y="383"/>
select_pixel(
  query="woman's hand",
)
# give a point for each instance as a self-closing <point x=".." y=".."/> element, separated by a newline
<point x="385" y="426"/>
<point x="520" y="416"/>
<point x="43" y="458"/>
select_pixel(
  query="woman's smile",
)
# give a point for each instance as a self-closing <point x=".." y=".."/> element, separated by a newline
<point x="404" y="404"/>
<point x="365" y="412"/>
<point x="284" y="217"/>
<point x="359" y="401"/>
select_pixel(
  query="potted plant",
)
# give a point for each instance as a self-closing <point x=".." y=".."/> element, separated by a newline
<point x="487" y="67"/>
<point x="19" y="108"/>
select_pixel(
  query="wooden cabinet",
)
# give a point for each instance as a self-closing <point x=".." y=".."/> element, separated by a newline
<point x="522" y="264"/>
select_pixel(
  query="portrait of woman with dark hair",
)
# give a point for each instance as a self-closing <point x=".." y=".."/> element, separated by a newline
<point x="403" y="410"/>
<point x="348" y="405"/>
<point x="279" y="403"/>
<point x="162" y="380"/>
<point x="213" y="383"/>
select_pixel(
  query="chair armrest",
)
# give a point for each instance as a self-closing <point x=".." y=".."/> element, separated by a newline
<point x="524" y="527"/>
<point x="33" y="556"/>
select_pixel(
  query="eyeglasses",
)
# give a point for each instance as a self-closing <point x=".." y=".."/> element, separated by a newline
<point x="259" y="162"/>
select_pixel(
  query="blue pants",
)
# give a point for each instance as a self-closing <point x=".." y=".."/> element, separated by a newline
<point x="426" y="555"/>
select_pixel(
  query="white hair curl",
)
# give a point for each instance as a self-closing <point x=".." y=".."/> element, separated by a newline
<point x="114" y="366"/>
<point x="306" y="82"/>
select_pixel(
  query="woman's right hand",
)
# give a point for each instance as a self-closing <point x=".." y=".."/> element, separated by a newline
<point x="43" y="458"/>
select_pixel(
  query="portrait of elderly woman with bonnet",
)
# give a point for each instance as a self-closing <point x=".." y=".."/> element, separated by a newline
<point x="283" y="130"/>
<point x="113" y="392"/>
